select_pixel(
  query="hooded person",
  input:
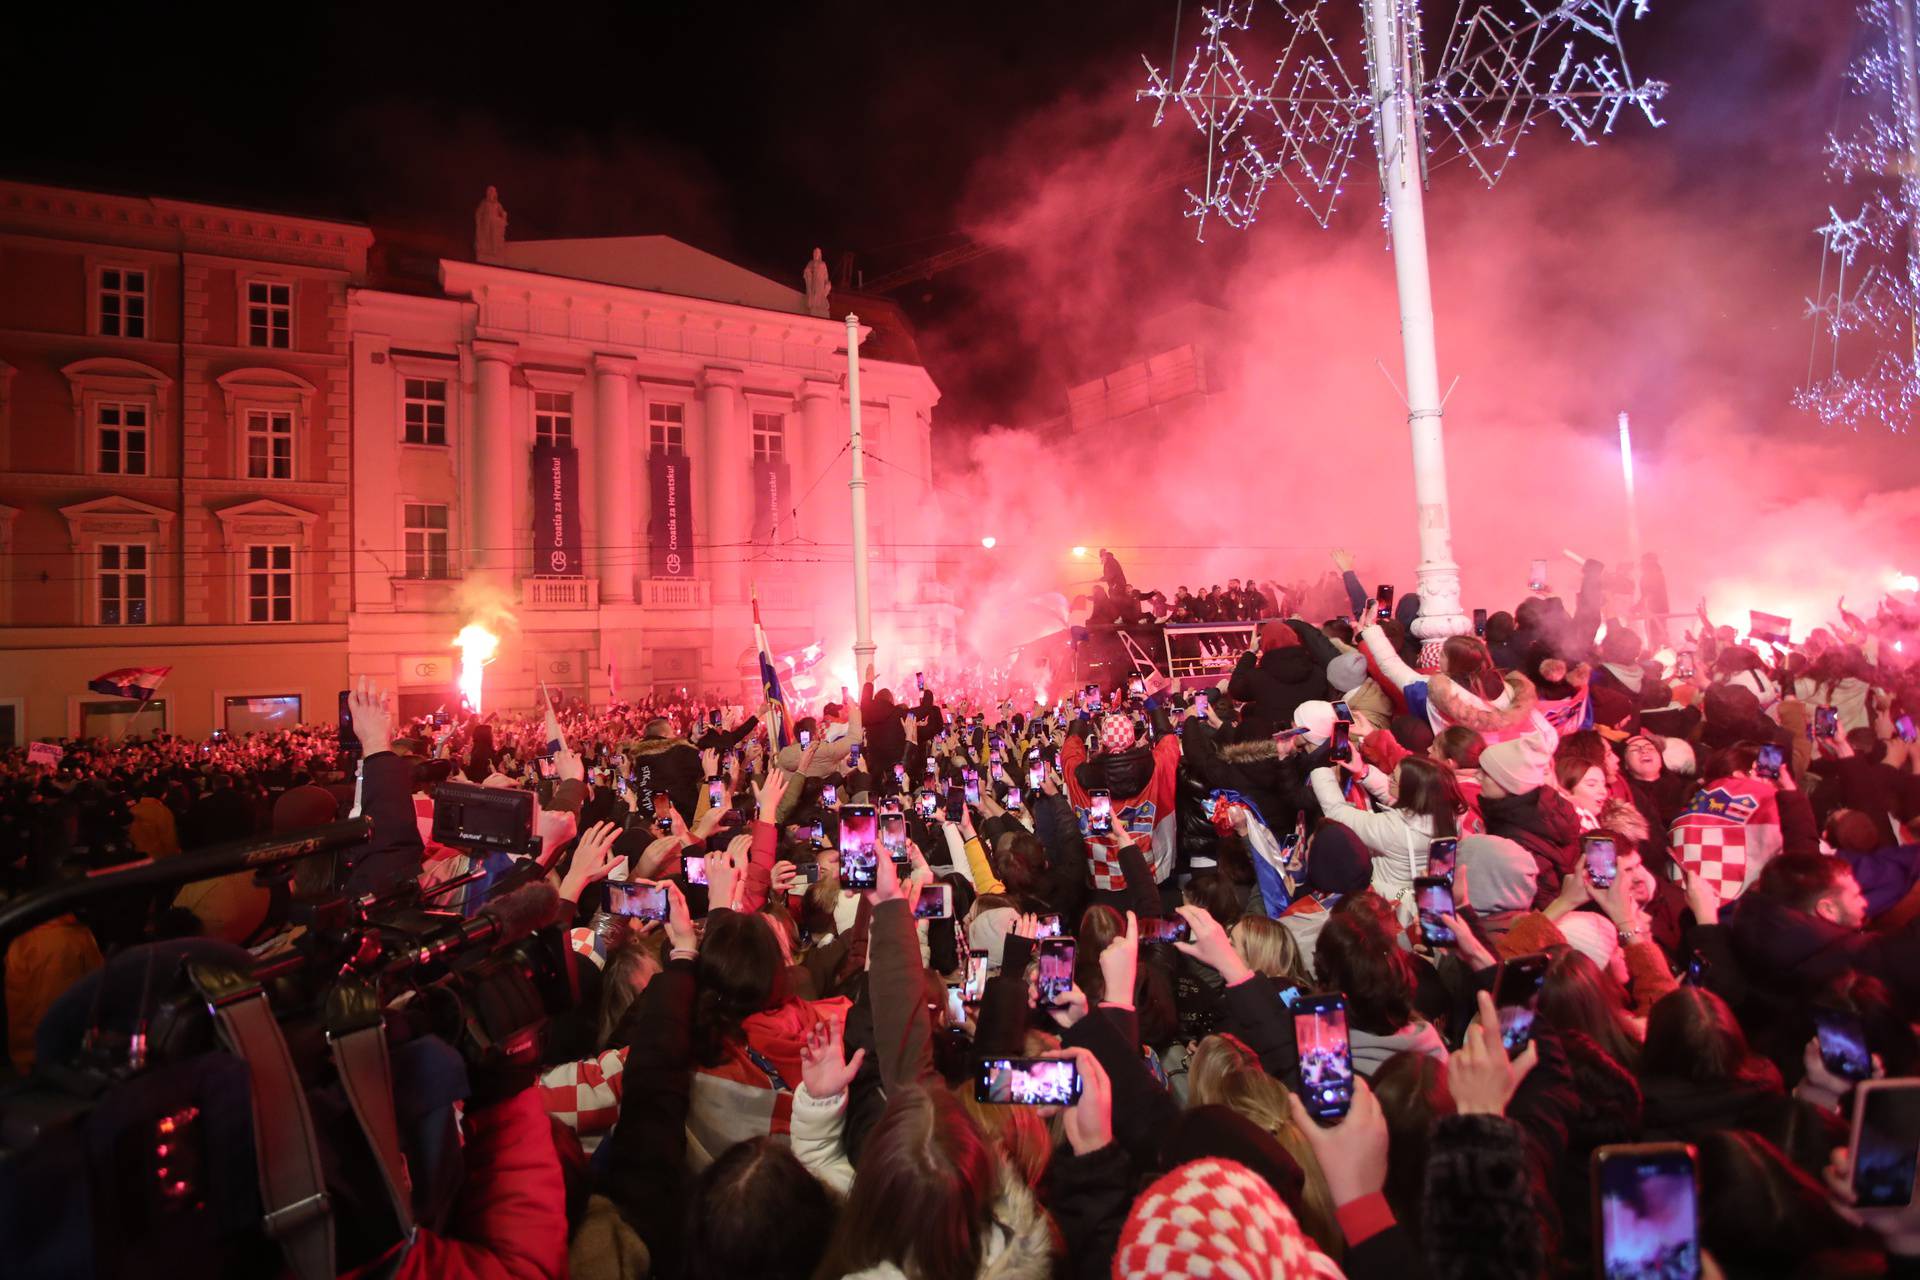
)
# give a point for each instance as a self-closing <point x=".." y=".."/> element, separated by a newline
<point x="1142" y="780"/>
<point x="1351" y="681"/>
<point x="1337" y="864"/>
<point x="1501" y="878"/>
<point x="1516" y="802"/>
<point x="1277" y="679"/>
<point x="1623" y="670"/>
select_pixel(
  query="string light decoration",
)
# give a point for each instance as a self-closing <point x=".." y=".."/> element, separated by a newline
<point x="1868" y="298"/>
<point x="1503" y="67"/>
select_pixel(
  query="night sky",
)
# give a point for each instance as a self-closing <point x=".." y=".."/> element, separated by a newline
<point x="758" y="131"/>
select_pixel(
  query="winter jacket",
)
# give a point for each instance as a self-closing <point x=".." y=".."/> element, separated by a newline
<point x="737" y="1098"/>
<point x="1142" y="781"/>
<point x="1398" y="840"/>
<point x="153" y="832"/>
<point x="1872" y="787"/>
<point x="1275" y="684"/>
<point x="1370" y="1052"/>
<point x="1479" y="1220"/>
<point x="1791" y="954"/>
<point x="671" y="765"/>
<point x="1546" y="825"/>
<point x="41" y="963"/>
<point x="883" y="723"/>
<point x="646" y="1172"/>
<point x="393" y="857"/>
<point x="510" y="1219"/>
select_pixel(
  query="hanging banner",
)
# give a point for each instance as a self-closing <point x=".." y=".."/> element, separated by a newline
<point x="556" y="512"/>
<point x="770" y="498"/>
<point x="670" y="530"/>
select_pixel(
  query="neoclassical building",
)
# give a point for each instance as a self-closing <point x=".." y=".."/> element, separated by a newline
<point x="273" y="455"/>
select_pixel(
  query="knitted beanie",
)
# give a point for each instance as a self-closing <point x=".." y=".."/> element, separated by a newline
<point x="1116" y="733"/>
<point x="1347" y="672"/>
<point x="1213" y="1217"/>
<point x="1277" y="635"/>
<point x="1521" y="764"/>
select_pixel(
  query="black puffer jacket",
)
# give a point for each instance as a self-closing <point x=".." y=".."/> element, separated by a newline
<point x="1124" y="773"/>
<point x="1545" y="824"/>
<point x="671" y="765"/>
<point x="1275" y="685"/>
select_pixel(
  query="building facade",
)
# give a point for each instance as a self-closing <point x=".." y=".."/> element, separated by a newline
<point x="174" y="461"/>
<point x="604" y="450"/>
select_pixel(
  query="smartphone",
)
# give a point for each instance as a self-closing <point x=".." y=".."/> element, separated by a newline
<point x="1537" y="576"/>
<point x="662" y="812"/>
<point x="349" y="740"/>
<point x="1843" y="1044"/>
<point x="900" y="776"/>
<point x="1442" y="853"/>
<point x="1027" y="1082"/>
<point x="806" y="739"/>
<point x="1886" y="1142"/>
<point x="1514" y="994"/>
<point x="1603" y="860"/>
<point x="853" y="756"/>
<point x="976" y="980"/>
<point x="1903" y="728"/>
<point x="933" y="768"/>
<point x="1385" y="596"/>
<point x="935" y="903"/>
<point x="1769" y="760"/>
<point x="971" y="786"/>
<point x="1055" y="977"/>
<point x="829" y="794"/>
<point x="1012" y="800"/>
<point x="620" y="787"/>
<point x="926" y="803"/>
<point x="637" y="900"/>
<point x="1326" y="1062"/>
<point x="809" y="872"/>
<point x="1646" y="1211"/>
<point x="1036" y="776"/>
<point x="1480" y="622"/>
<point x="694" y="868"/>
<point x="1165" y="929"/>
<point x="1201" y="705"/>
<point x="956" y="804"/>
<point x="1342" y="713"/>
<point x="1099" y="812"/>
<point x="1433" y="896"/>
<point x="716" y="793"/>
<point x="1826" y="722"/>
<point x="859" y="868"/>
<point x="1342" y="750"/>
<point x="545" y="767"/>
<point x="1047" y="926"/>
<point x="893" y="835"/>
<point x="920" y="680"/>
<point x="713" y="717"/>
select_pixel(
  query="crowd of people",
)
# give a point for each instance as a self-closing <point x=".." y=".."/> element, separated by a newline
<point x="1674" y="868"/>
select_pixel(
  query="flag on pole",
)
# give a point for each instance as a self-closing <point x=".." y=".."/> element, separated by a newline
<point x="613" y="685"/>
<point x="140" y="683"/>
<point x="1770" y="627"/>
<point x="556" y="740"/>
<point x="770" y="678"/>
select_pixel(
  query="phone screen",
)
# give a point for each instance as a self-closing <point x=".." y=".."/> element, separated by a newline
<point x="1165" y="929"/>
<point x="935" y="902"/>
<point x="1480" y="622"/>
<point x="971" y="779"/>
<point x="1434" y="898"/>
<point x="829" y="794"/>
<point x="976" y="985"/>
<point x="1441" y="854"/>
<point x="1843" y="1044"/>
<point x="1537" y="576"/>
<point x="1036" y="776"/>
<point x="1385" y="597"/>
<point x="1515" y="992"/>
<point x="1649" y="1215"/>
<point x="1046" y="926"/>
<point x="1826" y="722"/>
<point x="956" y="804"/>
<point x="1326" y="1063"/>
<point x="1342" y="743"/>
<point x="1886" y="1142"/>
<point x="900" y="775"/>
<point x="859" y="868"/>
<point x="1903" y="728"/>
<point x="893" y="835"/>
<point x="806" y="739"/>
<point x="1027" y="1082"/>
<point x="716" y="793"/>
<point x="926" y="804"/>
<point x="662" y="812"/>
<point x="1769" y="761"/>
<point x="1013" y="798"/>
<point x="637" y="901"/>
<point x="1342" y="713"/>
<point x="1056" y="971"/>
<point x="694" y="867"/>
<point x="1683" y="664"/>
<point x="1099" y="812"/>
<point x="1603" y="860"/>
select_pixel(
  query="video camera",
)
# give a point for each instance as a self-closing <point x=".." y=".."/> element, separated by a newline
<point x="198" y="1111"/>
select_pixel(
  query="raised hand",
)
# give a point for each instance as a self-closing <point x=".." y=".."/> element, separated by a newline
<point x="824" y="1066"/>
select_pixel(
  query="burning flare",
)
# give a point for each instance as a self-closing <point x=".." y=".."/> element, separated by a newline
<point x="477" y="647"/>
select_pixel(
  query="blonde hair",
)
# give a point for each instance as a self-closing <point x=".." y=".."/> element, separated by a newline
<point x="1223" y="1071"/>
<point x="1268" y="948"/>
<point x="1024" y="1140"/>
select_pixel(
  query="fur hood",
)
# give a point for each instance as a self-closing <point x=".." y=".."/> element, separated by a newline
<point x="657" y="746"/>
<point x="1019" y="1243"/>
<point x="1466" y="708"/>
<point x="1250" y="752"/>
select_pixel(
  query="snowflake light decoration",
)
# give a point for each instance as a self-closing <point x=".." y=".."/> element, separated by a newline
<point x="1874" y="295"/>
<point x="1503" y="67"/>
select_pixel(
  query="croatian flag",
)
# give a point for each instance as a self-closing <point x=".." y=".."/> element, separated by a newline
<point x="556" y="740"/>
<point x="140" y="683"/>
<point x="1770" y="627"/>
<point x="770" y="678"/>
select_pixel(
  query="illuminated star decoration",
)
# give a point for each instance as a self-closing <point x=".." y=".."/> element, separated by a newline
<point x="1503" y="67"/>
<point x="1874" y="297"/>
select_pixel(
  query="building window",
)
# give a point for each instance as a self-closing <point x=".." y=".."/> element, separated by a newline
<point x="123" y="303"/>
<point x="667" y="428"/>
<point x="270" y="582"/>
<point x="425" y="411"/>
<point x="122" y="437"/>
<point x="769" y="434"/>
<point x="553" y="417"/>
<point x="269" y="444"/>
<point x="426" y="533"/>
<point x="269" y="314"/>
<point x="121" y="579"/>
